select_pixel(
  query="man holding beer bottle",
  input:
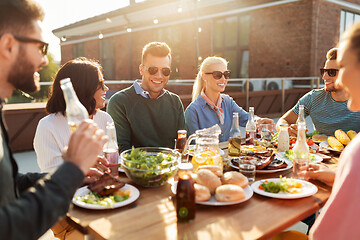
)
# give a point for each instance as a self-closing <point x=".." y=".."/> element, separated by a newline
<point x="32" y="203"/>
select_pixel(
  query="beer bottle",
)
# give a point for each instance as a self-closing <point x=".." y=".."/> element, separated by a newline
<point x="110" y="149"/>
<point x="235" y="137"/>
<point x="301" y="117"/>
<point x="251" y="127"/>
<point x="75" y="111"/>
<point x="185" y="194"/>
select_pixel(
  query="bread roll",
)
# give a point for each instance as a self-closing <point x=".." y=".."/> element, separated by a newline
<point x="229" y="193"/>
<point x="202" y="193"/>
<point x="208" y="179"/>
<point x="235" y="178"/>
<point x="217" y="170"/>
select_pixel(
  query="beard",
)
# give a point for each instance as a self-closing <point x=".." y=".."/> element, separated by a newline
<point x="22" y="74"/>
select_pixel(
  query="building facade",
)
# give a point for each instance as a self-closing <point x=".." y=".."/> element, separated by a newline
<point x="259" y="38"/>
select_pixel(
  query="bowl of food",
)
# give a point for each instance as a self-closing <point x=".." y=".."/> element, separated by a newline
<point x="150" y="166"/>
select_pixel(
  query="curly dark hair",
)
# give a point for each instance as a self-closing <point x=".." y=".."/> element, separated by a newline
<point x="86" y="76"/>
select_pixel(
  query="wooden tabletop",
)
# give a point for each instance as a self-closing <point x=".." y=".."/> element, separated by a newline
<point x="153" y="215"/>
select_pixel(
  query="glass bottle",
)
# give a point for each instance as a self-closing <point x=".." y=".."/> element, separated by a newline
<point x="235" y="137"/>
<point x="251" y="127"/>
<point x="181" y="140"/>
<point x="75" y="111"/>
<point x="301" y="117"/>
<point x="300" y="153"/>
<point x="185" y="194"/>
<point x="111" y="150"/>
<point x="283" y="138"/>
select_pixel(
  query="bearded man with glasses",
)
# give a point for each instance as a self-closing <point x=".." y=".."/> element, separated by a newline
<point x="32" y="203"/>
<point x="327" y="107"/>
<point x="145" y="114"/>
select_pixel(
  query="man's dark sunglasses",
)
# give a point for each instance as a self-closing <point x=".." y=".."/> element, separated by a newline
<point x="43" y="45"/>
<point x="153" y="70"/>
<point x="331" y="71"/>
<point x="218" y="74"/>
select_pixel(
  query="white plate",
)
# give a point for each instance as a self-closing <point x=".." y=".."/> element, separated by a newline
<point x="326" y="145"/>
<point x="308" y="189"/>
<point x="317" y="158"/>
<point x="212" y="201"/>
<point x="288" y="162"/>
<point x="134" y="194"/>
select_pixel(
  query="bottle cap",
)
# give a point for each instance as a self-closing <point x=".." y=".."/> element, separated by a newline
<point x="284" y="125"/>
<point x="185" y="166"/>
<point x="182" y="131"/>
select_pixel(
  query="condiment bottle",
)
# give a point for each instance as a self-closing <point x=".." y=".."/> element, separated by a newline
<point x="181" y="140"/>
<point x="235" y="137"/>
<point x="301" y="116"/>
<point x="251" y="127"/>
<point x="300" y="153"/>
<point x="283" y="138"/>
<point x="185" y="194"/>
<point x="111" y="150"/>
<point x="75" y="111"/>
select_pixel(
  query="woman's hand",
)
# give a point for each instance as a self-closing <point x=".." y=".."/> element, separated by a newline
<point x="321" y="173"/>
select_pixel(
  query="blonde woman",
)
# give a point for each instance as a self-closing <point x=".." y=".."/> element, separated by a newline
<point x="209" y="106"/>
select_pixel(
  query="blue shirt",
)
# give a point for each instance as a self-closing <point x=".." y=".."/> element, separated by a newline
<point x="327" y="114"/>
<point x="199" y="115"/>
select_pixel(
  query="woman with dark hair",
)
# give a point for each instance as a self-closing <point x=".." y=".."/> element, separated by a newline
<point x="53" y="133"/>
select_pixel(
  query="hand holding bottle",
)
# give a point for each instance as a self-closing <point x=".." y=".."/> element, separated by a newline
<point x="85" y="145"/>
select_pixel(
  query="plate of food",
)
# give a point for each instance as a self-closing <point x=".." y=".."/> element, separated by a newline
<point x="284" y="188"/>
<point x="288" y="155"/>
<point x="248" y="192"/>
<point x="325" y="145"/>
<point x="106" y="193"/>
<point x="269" y="164"/>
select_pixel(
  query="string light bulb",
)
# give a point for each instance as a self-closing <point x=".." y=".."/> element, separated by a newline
<point x="128" y="30"/>
<point x="156" y="21"/>
<point x="199" y="29"/>
<point x="63" y="38"/>
<point x="179" y="10"/>
<point x="101" y="36"/>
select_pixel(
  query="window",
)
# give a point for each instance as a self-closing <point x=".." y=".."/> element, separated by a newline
<point x="347" y="19"/>
<point x="171" y="36"/>
<point x="79" y="50"/>
<point x="231" y="41"/>
<point x="107" y="57"/>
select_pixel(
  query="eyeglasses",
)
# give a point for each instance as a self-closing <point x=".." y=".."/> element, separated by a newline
<point x="331" y="71"/>
<point x="218" y="74"/>
<point x="153" y="70"/>
<point x="43" y="45"/>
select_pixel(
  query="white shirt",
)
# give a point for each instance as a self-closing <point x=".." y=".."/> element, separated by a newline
<point x="53" y="134"/>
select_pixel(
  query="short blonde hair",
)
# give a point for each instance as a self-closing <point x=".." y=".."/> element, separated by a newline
<point x="199" y="83"/>
<point x="157" y="49"/>
<point x="332" y="54"/>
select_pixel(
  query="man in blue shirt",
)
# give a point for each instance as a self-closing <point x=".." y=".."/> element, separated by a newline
<point x="327" y="107"/>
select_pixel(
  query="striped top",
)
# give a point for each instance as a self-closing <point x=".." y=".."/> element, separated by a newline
<point x="327" y="114"/>
<point x="53" y="134"/>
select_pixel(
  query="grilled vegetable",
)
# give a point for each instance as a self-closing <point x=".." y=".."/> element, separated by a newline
<point x="342" y="137"/>
<point x="351" y="134"/>
<point x="335" y="144"/>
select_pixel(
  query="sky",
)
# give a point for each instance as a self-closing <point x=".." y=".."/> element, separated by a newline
<point x="64" y="12"/>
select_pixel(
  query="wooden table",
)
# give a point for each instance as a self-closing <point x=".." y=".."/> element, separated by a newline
<point x="153" y="216"/>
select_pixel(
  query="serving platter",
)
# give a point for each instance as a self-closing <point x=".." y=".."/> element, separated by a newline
<point x="134" y="195"/>
<point x="288" y="162"/>
<point x="316" y="158"/>
<point x="212" y="201"/>
<point x="326" y="145"/>
<point x="308" y="189"/>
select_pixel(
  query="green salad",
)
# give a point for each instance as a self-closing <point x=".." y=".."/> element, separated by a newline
<point x="149" y="169"/>
<point x="289" y="155"/>
<point x="284" y="185"/>
<point x="106" y="201"/>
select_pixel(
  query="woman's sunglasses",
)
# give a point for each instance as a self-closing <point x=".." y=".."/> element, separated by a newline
<point x="218" y="74"/>
<point x="331" y="71"/>
<point x="153" y="70"/>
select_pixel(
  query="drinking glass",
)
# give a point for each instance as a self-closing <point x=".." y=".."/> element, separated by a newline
<point x="300" y="167"/>
<point x="247" y="167"/>
<point x="265" y="131"/>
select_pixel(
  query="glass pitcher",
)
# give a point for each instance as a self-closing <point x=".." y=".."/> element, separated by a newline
<point x="207" y="147"/>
